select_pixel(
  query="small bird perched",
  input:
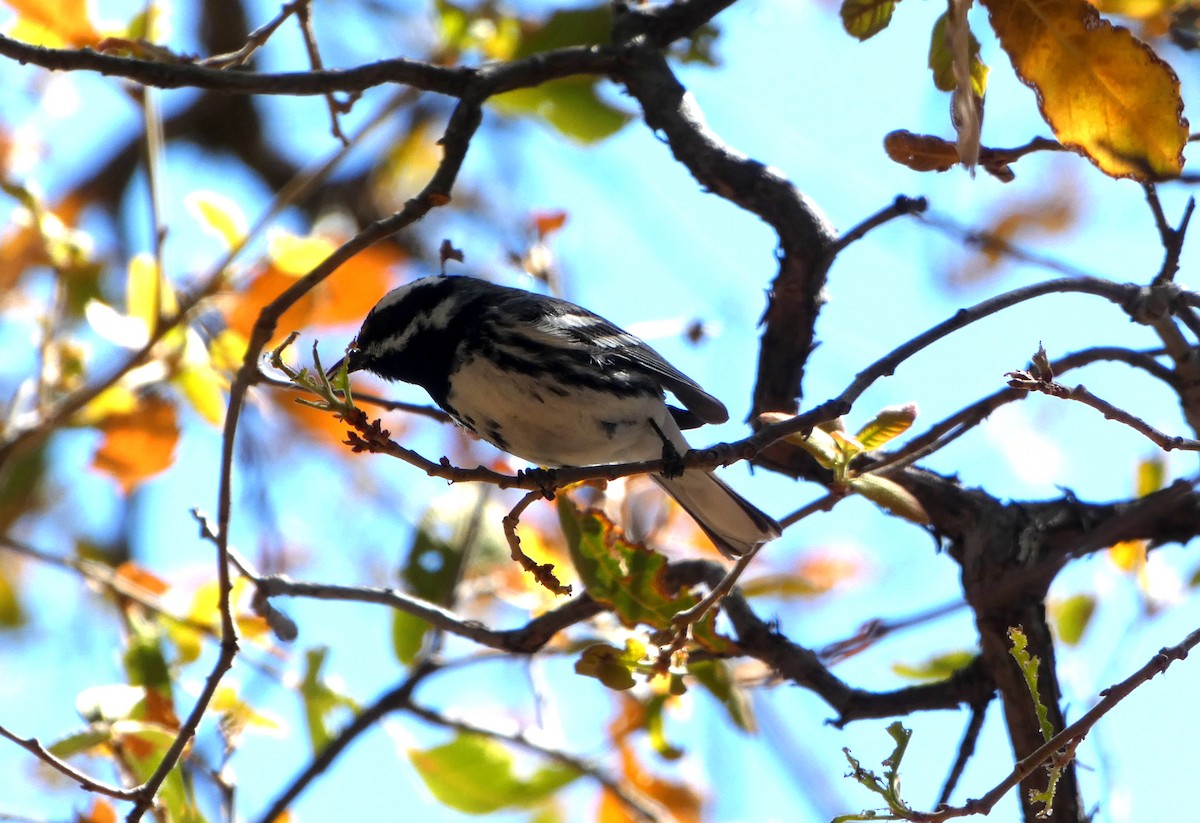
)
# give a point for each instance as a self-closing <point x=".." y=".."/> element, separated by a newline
<point x="554" y="384"/>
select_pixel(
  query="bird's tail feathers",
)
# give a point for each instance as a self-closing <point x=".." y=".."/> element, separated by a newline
<point x="732" y="523"/>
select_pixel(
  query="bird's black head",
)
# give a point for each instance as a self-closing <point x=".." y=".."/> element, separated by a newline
<point x="413" y="333"/>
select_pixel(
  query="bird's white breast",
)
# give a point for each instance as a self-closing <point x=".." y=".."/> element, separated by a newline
<point x="521" y="415"/>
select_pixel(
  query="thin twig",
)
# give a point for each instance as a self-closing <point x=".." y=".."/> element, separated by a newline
<point x="32" y="745"/>
<point x="304" y="18"/>
<point x="901" y="206"/>
<point x="966" y="748"/>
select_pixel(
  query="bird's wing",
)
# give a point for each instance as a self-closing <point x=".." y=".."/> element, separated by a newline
<point x="608" y="345"/>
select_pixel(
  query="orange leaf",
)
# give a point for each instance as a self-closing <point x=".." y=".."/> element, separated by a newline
<point x="678" y="798"/>
<point x="1105" y="93"/>
<point x="100" y="812"/>
<point x="138" y="445"/>
<point x="59" y="22"/>
<point x="547" y="222"/>
<point x="242" y="309"/>
<point x="142" y="578"/>
<point x="347" y="295"/>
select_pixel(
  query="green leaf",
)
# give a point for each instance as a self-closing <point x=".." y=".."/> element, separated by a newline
<point x="570" y="105"/>
<point x="891" y="496"/>
<point x="12" y="615"/>
<point x="886" y="426"/>
<point x="866" y="18"/>
<point x="936" y="668"/>
<point x="612" y="666"/>
<point x="941" y="61"/>
<point x="1070" y="617"/>
<point x="656" y="729"/>
<point x="888" y="787"/>
<point x="627" y="577"/>
<point x="81" y="741"/>
<point x="569" y="27"/>
<point x="1029" y="665"/>
<point x="431" y="573"/>
<point x="477" y="775"/>
<point x="319" y="699"/>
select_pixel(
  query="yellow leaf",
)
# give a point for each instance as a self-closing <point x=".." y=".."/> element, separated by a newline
<point x="219" y="215"/>
<point x="204" y="389"/>
<point x="296" y="256"/>
<point x="138" y="445"/>
<point x="54" y="23"/>
<point x="148" y="296"/>
<point x="112" y="401"/>
<point x="1103" y="91"/>
<point x="1151" y="475"/>
<point x="887" y="425"/>
<point x="1128" y="555"/>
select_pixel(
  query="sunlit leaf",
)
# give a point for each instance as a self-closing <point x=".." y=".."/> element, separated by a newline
<point x="890" y="495"/>
<point x="1070" y="617"/>
<point x="886" y="426"/>
<point x="1151" y="475"/>
<point x="430" y="572"/>
<point x="204" y="389"/>
<point x="82" y="741"/>
<point x="1128" y="555"/>
<point x="320" y="700"/>
<point x="612" y="666"/>
<point x="478" y="775"/>
<point x="54" y="23"/>
<point x="148" y="295"/>
<point x="138" y="445"/>
<point x="628" y="577"/>
<point x="237" y="713"/>
<point x="866" y="18"/>
<point x="12" y="614"/>
<point x="936" y="668"/>
<point x="571" y="105"/>
<point x="139" y="576"/>
<point x="221" y="216"/>
<point x="101" y="811"/>
<point x="679" y="799"/>
<point x="1103" y="92"/>
<point x="941" y="61"/>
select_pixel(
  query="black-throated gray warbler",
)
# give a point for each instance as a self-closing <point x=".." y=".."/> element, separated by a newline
<point x="552" y="383"/>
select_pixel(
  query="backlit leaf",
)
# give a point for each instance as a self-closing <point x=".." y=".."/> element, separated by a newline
<point x="628" y="577"/>
<point x="866" y="18"/>
<point x="477" y="775"/>
<point x="1151" y="475"/>
<point x="1104" y="92"/>
<point x="570" y="104"/>
<point x="138" y="445"/>
<point x="936" y="668"/>
<point x="890" y="495"/>
<point x="941" y="61"/>
<point x="1070" y="617"/>
<point x="220" y="215"/>
<point x="887" y="425"/>
<point x="54" y="23"/>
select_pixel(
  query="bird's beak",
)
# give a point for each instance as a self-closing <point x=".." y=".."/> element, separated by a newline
<point x="347" y="361"/>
